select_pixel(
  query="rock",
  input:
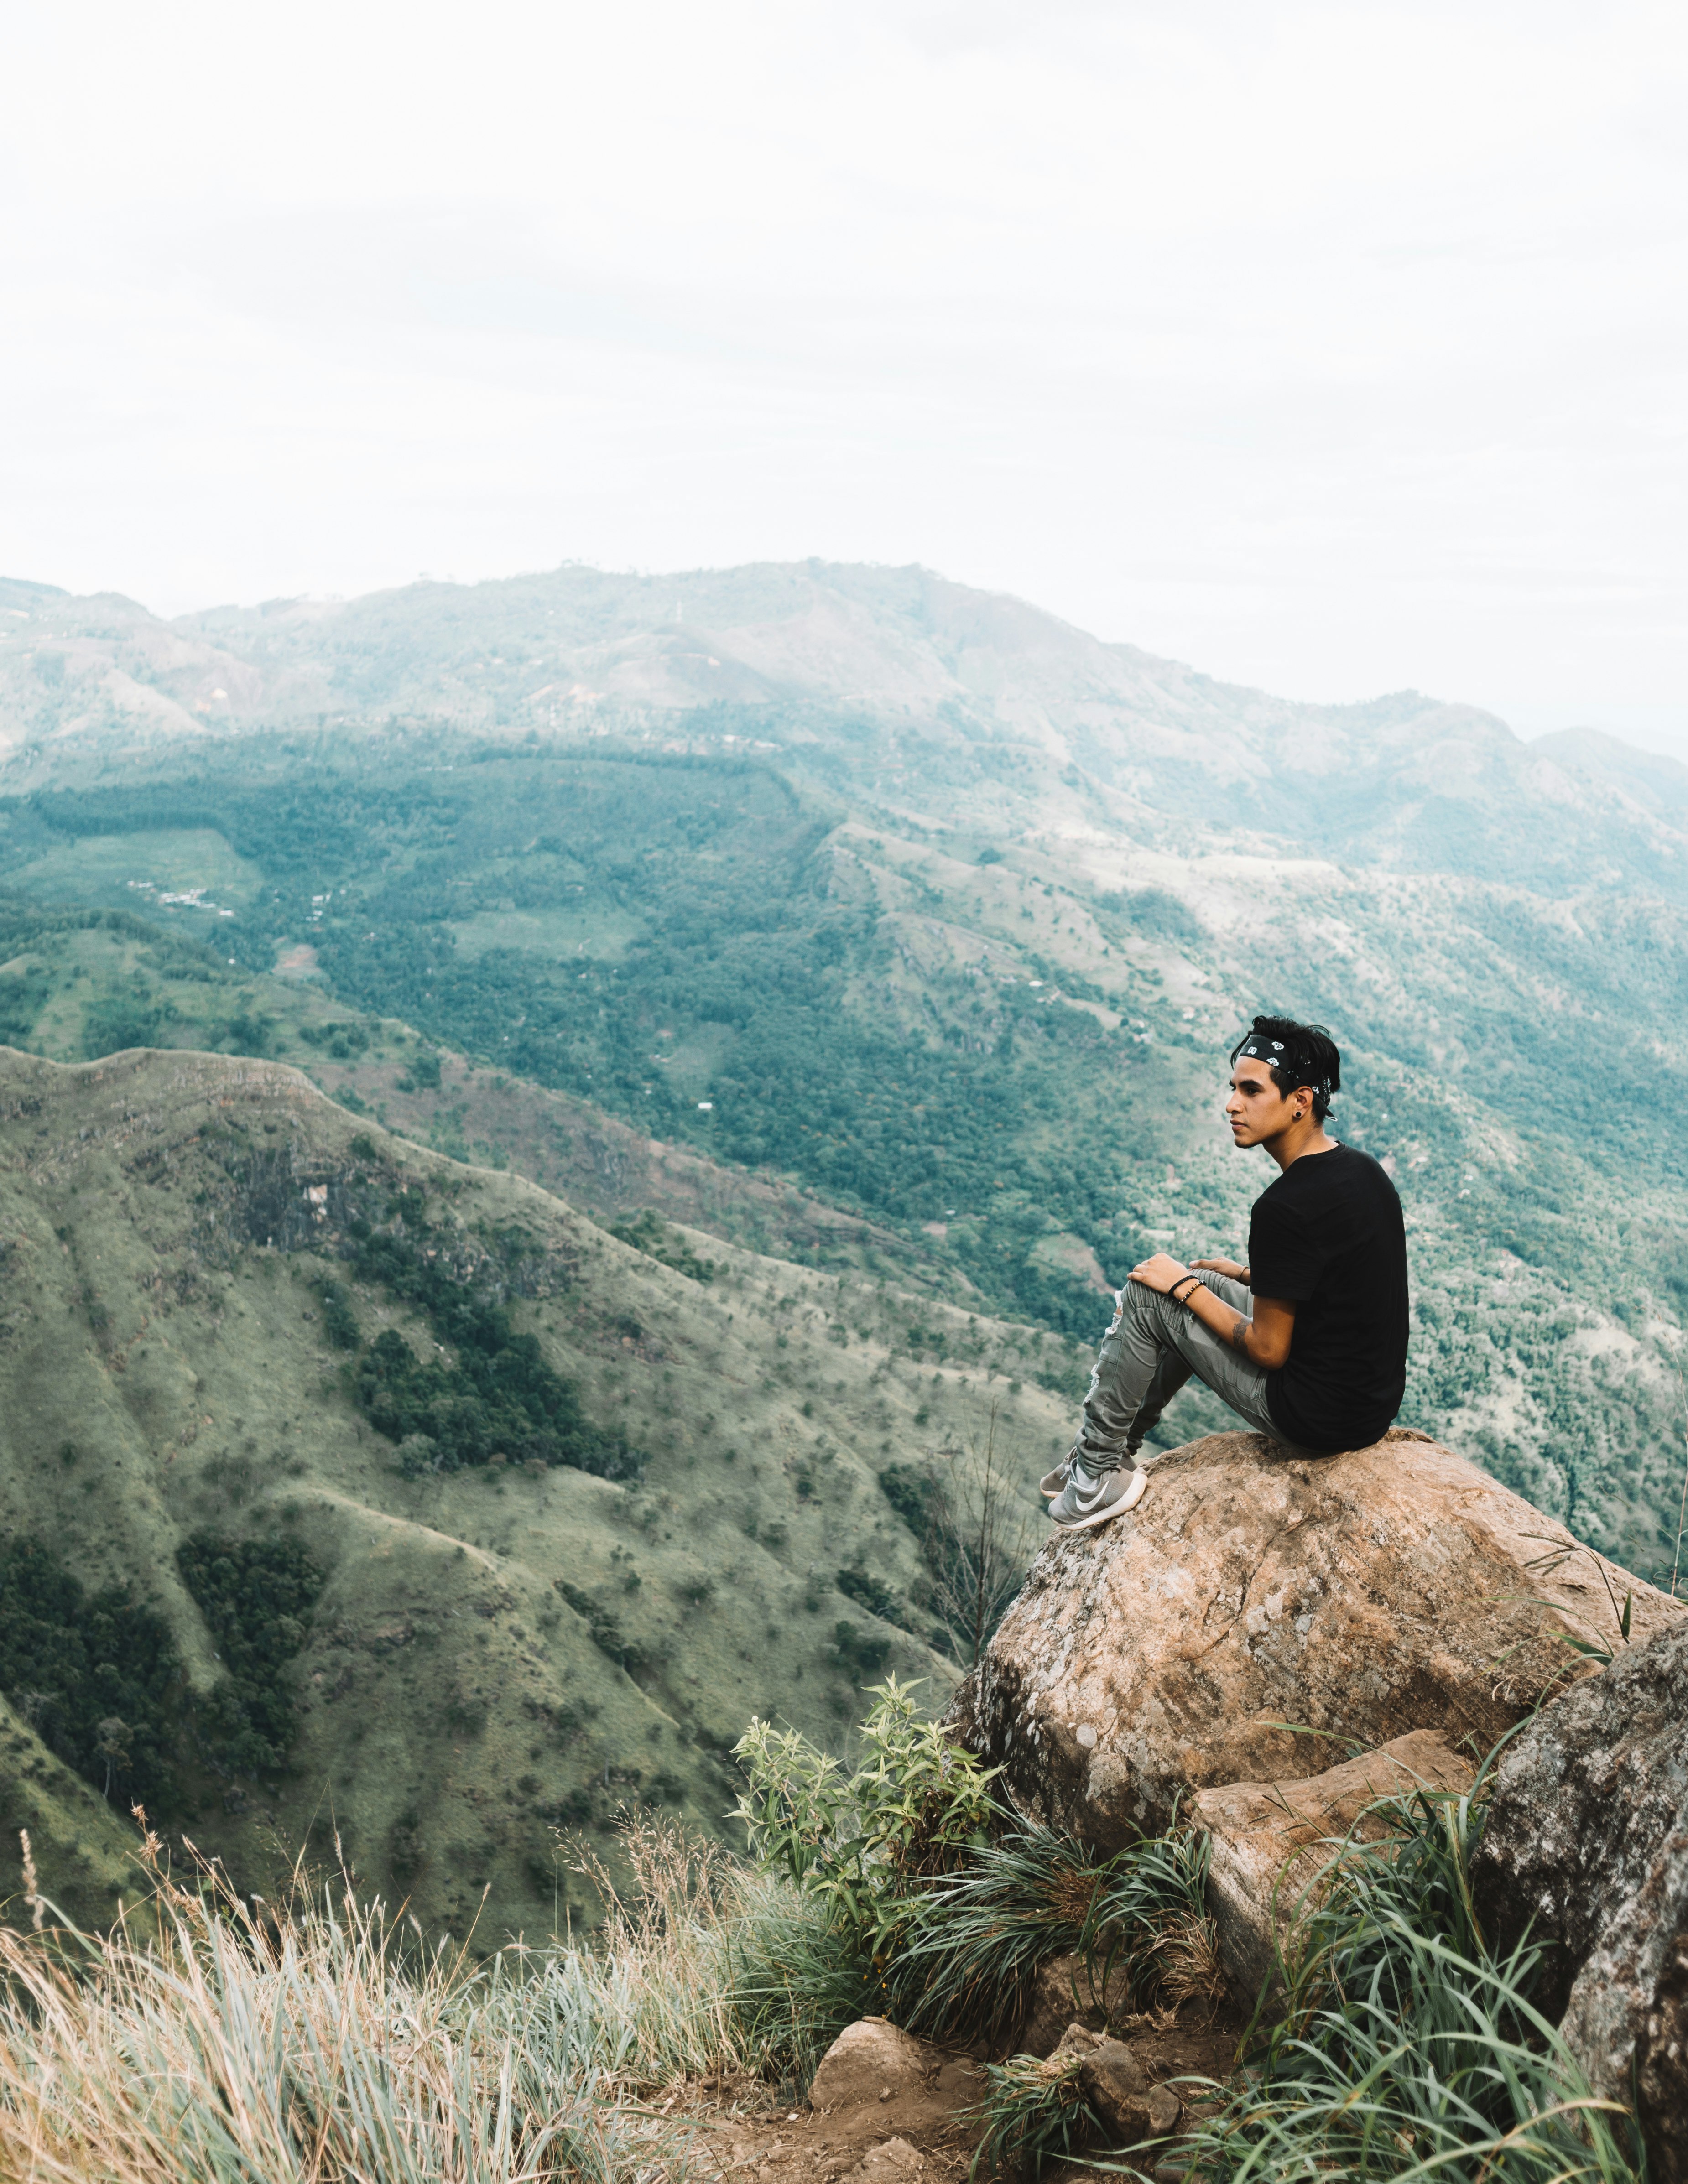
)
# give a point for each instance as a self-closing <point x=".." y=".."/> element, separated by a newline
<point x="1062" y="1986"/>
<point x="873" y="2057"/>
<point x="1166" y="2111"/>
<point x="1586" y="1845"/>
<point x="889" y="2163"/>
<point x="1270" y="1841"/>
<point x="1364" y="1596"/>
<point x="1116" y="2087"/>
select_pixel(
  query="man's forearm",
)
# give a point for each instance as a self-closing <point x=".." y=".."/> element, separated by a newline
<point x="1224" y="1320"/>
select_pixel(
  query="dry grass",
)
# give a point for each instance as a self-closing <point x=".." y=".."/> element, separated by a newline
<point x="316" y="2043"/>
<point x="1186" y="1951"/>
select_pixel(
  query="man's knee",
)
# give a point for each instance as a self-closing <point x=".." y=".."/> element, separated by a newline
<point x="1140" y="1303"/>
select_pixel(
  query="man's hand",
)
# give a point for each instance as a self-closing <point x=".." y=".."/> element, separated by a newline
<point x="1227" y="1267"/>
<point x="1160" y="1273"/>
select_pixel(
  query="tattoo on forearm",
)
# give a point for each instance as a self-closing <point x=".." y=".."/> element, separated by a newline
<point x="1239" y="1337"/>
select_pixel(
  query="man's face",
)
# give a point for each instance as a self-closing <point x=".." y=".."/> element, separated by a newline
<point x="1257" y="1110"/>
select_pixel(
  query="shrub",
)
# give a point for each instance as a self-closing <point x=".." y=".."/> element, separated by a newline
<point x="864" y="1843"/>
<point x="1035" y="2112"/>
<point x="862" y="1652"/>
<point x="911" y="1489"/>
<point x="869" y="1592"/>
<point x="339" y="1321"/>
<point x="340" y="1041"/>
<point x="118" y="1020"/>
<point x="975" y="1938"/>
<point x="648" y="1234"/>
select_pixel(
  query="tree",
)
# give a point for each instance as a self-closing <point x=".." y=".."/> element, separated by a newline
<point x="111" y="1743"/>
<point x="978" y="1544"/>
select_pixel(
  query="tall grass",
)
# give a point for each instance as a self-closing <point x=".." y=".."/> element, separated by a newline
<point x="1408" y="2049"/>
<point x="237" y="2045"/>
<point x="315" y="2042"/>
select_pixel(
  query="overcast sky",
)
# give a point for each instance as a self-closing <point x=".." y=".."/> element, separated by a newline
<point x="1333" y="348"/>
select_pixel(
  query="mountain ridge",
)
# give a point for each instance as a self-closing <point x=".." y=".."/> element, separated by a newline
<point x="863" y="672"/>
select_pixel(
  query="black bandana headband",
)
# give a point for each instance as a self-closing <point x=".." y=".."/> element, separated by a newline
<point x="1275" y="1052"/>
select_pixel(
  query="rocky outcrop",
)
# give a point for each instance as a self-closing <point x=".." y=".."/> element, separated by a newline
<point x="1251" y="1596"/>
<point x="1586" y="1847"/>
<point x="1270" y="1843"/>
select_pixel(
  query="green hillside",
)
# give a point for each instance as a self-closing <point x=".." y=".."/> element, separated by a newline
<point x="987" y="1069"/>
<point x="760" y="1016"/>
<point x="264" y="1566"/>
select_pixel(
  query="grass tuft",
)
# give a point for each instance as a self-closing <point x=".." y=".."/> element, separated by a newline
<point x="976" y="1939"/>
<point x="1035" y="2112"/>
<point x="314" y="2043"/>
<point x="1406" y="2049"/>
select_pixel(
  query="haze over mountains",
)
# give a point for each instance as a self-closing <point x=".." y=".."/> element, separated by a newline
<point x="865" y="674"/>
<point x="891" y="934"/>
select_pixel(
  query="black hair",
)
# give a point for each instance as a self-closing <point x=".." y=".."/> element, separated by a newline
<point x="1310" y="1057"/>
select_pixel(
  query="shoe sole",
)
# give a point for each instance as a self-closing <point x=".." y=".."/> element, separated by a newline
<point x="1127" y="1500"/>
<point x="1053" y="1493"/>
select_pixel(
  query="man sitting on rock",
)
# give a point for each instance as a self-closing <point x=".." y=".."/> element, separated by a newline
<point x="1307" y="1343"/>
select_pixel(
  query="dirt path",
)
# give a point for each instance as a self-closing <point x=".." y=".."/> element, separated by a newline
<point x="891" y="2125"/>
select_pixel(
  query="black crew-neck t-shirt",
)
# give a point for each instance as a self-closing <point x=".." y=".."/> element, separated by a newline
<point x="1328" y="1237"/>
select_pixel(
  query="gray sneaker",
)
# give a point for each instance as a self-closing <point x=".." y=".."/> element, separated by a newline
<point x="1052" y="1481"/>
<point x="1085" y="1502"/>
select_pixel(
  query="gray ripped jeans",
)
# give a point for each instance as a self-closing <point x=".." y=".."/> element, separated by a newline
<point x="1150" y="1351"/>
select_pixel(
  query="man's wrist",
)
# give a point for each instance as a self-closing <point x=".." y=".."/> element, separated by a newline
<point x="1196" y="1283"/>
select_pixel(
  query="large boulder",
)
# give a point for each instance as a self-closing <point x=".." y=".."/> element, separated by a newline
<point x="1586" y="1847"/>
<point x="1272" y="1844"/>
<point x="1253" y="1596"/>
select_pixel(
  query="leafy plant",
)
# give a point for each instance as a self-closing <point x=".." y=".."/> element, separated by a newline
<point x="1150" y="1920"/>
<point x="976" y="1937"/>
<point x="863" y="1843"/>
